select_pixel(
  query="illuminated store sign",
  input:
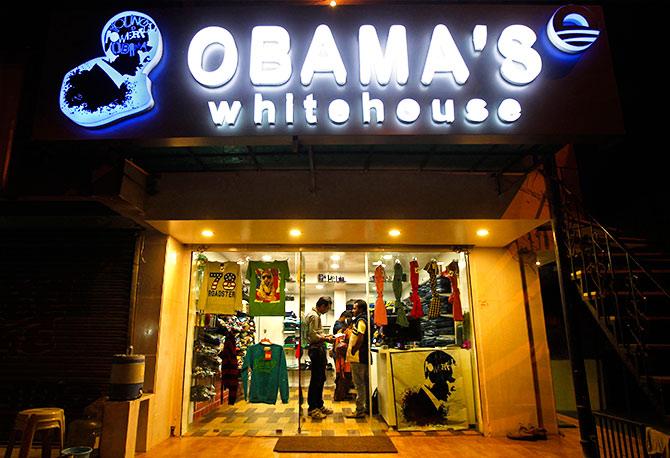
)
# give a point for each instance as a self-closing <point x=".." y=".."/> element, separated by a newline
<point x="116" y="86"/>
<point x="353" y="71"/>
<point x="569" y="29"/>
<point x="271" y="64"/>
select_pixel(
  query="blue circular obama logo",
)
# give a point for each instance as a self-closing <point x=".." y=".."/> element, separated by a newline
<point x="572" y="30"/>
<point x="116" y="86"/>
<point x="426" y="404"/>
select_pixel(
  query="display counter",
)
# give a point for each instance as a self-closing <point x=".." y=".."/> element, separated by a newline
<point x="387" y="387"/>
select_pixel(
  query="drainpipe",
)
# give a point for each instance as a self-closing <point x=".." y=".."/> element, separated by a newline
<point x="134" y="288"/>
<point x="587" y="426"/>
<point x="531" y="337"/>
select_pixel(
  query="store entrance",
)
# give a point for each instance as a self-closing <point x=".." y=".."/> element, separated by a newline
<point x="248" y="368"/>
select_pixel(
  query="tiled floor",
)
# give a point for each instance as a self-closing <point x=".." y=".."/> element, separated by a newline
<point x="244" y="419"/>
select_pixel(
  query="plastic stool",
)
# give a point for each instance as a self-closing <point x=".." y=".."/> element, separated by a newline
<point x="28" y="422"/>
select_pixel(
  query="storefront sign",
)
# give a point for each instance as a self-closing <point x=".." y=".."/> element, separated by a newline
<point x="330" y="278"/>
<point x="454" y="70"/>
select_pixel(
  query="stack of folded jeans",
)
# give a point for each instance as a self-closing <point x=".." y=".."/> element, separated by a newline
<point x="438" y="332"/>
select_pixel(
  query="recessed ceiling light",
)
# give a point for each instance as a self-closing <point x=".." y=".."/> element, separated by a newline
<point x="267" y="258"/>
<point x="394" y="232"/>
<point x="295" y="232"/>
<point x="335" y="257"/>
<point x="207" y="233"/>
<point x="334" y="266"/>
<point x="482" y="232"/>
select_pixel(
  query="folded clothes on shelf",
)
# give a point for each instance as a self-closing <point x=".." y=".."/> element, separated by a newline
<point x="201" y="393"/>
<point x="204" y="349"/>
<point x="201" y="372"/>
<point x="214" y="340"/>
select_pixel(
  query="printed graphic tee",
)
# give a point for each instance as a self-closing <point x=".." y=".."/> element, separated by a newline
<point x="267" y="283"/>
<point x="221" y="289"/>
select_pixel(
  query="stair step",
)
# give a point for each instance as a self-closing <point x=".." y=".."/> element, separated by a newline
<point x="645" y="294"/>
<point x="650" y="346"/>
<point x="639" y="271"/>
<point x="644" y="317"/>
<point x="655" y="317"/>
<point x="646" y="254"/>
<point x="631" y="238"/>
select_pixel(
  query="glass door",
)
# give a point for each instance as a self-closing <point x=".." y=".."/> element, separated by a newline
<point x="341" y="277"/>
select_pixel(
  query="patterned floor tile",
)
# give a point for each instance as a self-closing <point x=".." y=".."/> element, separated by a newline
<point x="244" y="419"/>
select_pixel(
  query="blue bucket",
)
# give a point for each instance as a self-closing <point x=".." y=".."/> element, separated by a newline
<point x="76" y="452"/>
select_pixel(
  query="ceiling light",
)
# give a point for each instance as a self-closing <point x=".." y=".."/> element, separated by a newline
<point x="538" y="263"/>
<point x="334" y="266"/>
<point x="335" y="257"/>
<point x="482" y="232"/>
<point x="295" y="232"/>
<point x="333" y="3"/>
<point x="267" y="258"/>
<point x="394" y="232"/>
<point x="207" y="233"/>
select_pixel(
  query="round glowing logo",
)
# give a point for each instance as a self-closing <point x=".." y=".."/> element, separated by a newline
<point x="571" y="29"/>
<point x="116" y="86"/>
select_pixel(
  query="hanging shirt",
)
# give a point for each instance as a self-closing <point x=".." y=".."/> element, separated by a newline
<point x="397" y="290"/>
<point x="380" y="307"/>
<point x="267" y="364"/>
<point x="433" y="270"/>
<point x="417" y="310"/>
<point x="221" y="289"/>
<point x="455" y="298"/>
<point x="267" y="294"/>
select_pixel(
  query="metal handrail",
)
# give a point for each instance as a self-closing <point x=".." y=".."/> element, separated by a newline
<point x="617" y="302"/>
<point x="613" y="238"/>
<point x="620" y="437"/>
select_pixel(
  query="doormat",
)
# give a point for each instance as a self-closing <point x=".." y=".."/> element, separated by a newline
<point x="334" y="444"/>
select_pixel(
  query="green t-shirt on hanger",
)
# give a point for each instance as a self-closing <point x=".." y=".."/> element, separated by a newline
<point x="267" y="294"/>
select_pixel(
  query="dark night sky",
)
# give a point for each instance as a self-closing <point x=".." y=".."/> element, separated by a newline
<point x="626" y="184"/>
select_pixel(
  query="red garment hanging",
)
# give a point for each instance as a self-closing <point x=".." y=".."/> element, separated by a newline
<point x="455" y="298"/>
<point x="417" y="310"/>
<point x="380" y="306"/>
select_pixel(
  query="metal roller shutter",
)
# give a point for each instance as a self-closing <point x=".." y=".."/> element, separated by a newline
<point x="65" y="300"/>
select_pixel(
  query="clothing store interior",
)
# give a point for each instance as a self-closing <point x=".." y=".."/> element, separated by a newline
<point x="248" y="358"/>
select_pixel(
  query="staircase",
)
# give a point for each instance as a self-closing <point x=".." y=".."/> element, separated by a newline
<point x="623" y="282"/>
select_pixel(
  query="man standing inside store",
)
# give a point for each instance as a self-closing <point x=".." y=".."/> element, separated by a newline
<point x="357" y="356"/>
<point x="317" y="356"/>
